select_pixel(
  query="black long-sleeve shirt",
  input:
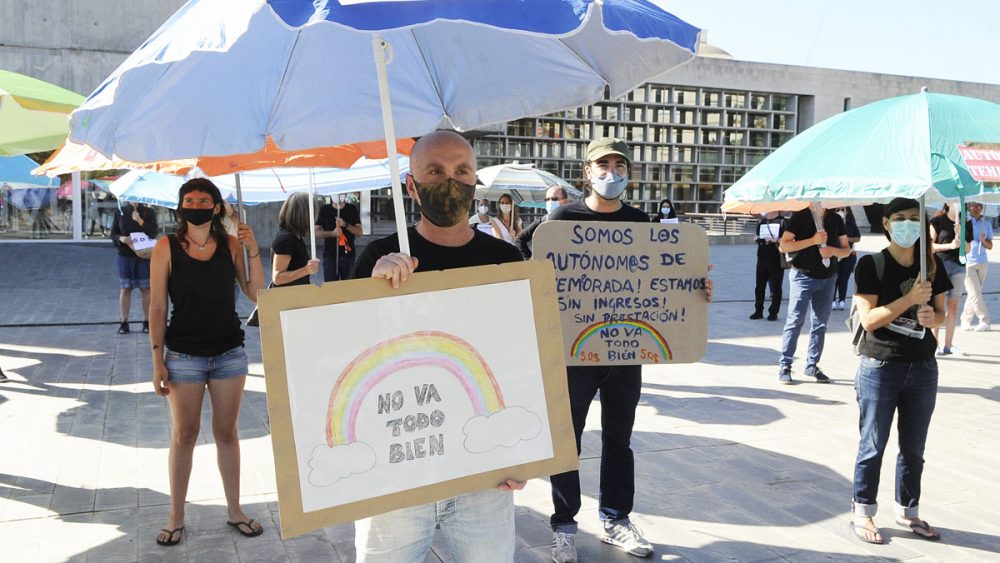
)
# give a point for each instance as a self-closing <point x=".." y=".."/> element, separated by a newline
<point x="125" y="225"/>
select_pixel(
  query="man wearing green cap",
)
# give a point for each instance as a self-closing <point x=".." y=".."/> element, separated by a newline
<point x="607" y="170"/>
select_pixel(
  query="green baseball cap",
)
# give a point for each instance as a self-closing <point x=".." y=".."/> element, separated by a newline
<point x="604" y="146"/>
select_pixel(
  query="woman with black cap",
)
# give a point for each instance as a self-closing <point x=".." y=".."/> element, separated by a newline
<point x="898" y="374"/>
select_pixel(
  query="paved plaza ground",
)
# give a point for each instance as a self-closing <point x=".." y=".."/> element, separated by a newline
<point x="730" y="465"/>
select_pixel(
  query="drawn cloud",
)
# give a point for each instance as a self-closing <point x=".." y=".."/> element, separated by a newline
<point x="501" y="429"/>
<point x="328" y="465"/>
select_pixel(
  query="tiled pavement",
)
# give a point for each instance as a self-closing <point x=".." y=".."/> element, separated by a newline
<point x="729" y="465"/>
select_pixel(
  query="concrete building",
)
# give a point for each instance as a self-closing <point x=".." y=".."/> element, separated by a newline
<point x="694" y="130"/>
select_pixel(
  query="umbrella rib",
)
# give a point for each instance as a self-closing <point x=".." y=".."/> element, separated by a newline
<point x="281" y="87"/>
<point x="437" y="90"/>
<point x="585" y="63"/>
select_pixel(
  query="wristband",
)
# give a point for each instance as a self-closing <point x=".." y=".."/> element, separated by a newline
<point x="254" y="256"/>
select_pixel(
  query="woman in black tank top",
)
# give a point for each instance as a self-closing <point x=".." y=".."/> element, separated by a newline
<point x="203" y="344"/>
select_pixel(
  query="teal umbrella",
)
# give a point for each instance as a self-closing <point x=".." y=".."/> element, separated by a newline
<point x="898" y="147"/>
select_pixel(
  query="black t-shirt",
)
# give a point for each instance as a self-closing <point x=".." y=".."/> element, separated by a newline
<point x="808" y="260"/>
<point x="944" y="228"/>
<point x="125" y="225"/>
<point x="327" y="219"/>
<point x="578" y="211"/>
<point x="285" y="242"/>
<point x="904" y="339"/>
<point x="482" y="250"/>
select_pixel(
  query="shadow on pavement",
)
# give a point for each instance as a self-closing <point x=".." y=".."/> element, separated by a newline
<point x="726" y="354"/>
<point x="746" y="393"/>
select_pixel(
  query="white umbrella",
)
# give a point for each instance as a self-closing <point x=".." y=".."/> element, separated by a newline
<point x="524" y="183"/>
<point x="221" y="76"/>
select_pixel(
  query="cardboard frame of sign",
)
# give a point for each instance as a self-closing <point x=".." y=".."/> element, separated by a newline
<point x="384" y="398"/>
<point x="629" y="293"/>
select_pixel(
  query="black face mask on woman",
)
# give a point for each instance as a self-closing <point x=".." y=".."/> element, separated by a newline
<point x="197" y="217"/>
<point x="447" y="203"/>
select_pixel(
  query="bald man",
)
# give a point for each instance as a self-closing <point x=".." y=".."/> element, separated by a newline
<point x="555" y="197"/>
<point x="478" y="526"/>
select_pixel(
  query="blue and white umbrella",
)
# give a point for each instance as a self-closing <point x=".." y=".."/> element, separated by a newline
<point x="221" y="76"/>
<point x="261" y="186"/>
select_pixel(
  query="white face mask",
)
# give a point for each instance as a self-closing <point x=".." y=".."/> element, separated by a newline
<point x="609" y="185"/>
<point x="506" y="207"/>
<point x="550" y="205"/>
<point x="484" y="209"/>
<point x="905" y="233"/>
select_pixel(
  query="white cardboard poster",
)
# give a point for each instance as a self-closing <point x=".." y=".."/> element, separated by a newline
<point x="381" y="398"/>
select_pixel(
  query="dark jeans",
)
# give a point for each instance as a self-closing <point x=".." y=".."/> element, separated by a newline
<point x="845" y="268"/>
<point x="883" y="388"/>
<point x="331" y="271"/>
<point x="769" y="272"/>
<point x="620" y="387"/>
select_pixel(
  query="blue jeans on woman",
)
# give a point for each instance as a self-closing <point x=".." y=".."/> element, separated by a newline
<point x="806" y="294"/>
<point x="883" y="389"/>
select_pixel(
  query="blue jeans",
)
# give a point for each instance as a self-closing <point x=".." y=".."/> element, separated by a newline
<point x="479" y="527"/>
<point x="620" y="387"/>
<point x="883" y="388"/>
<point x="805" y="293"/>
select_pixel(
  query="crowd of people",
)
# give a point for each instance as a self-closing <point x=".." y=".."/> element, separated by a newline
<point x="201" y="347"/>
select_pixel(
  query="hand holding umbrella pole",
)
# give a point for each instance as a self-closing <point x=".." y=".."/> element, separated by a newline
<point x="817" y="212"/>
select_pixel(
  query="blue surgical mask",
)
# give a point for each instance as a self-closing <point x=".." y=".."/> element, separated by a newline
<point x="550" y="206"/>
<point x="609" y="185"/>
<point x="905" y="233"/>
<point x="665" y="210"/>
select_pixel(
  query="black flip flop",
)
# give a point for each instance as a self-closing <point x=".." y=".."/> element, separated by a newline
<point x="170" y="537"/>
<point x="249" y="524"/>
<point x="921" y="529"/>
<point x="856" y="528"/>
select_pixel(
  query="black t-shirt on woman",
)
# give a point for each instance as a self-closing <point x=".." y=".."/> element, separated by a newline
<point x="904" y="339"/>
<point x="287" y="243"/>
<point x="944" y="229"/>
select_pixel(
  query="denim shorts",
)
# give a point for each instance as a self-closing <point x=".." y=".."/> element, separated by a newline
<point x="133" y="272"/>
<point x="184" y="368"/>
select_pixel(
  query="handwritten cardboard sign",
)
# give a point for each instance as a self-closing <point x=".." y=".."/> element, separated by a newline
<point x="629" y="293"/>
<point x="415" y="400"/>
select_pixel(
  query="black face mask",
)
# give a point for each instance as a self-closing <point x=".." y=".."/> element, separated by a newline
<point x="445" y="204"/>
<point x="197" y="217"/>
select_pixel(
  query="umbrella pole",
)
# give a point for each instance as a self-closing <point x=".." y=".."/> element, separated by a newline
<point x="337" y="265"/>
<point x="817" y="213"/>
<point x="380" y="47"/>
<point x="312" y="215"/>
<point x="923" y="239"/>
<point x="241" y="212"/>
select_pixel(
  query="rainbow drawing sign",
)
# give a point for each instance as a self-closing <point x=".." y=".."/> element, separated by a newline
<point x="629" y="293"/>
<point x="381" y="398"/>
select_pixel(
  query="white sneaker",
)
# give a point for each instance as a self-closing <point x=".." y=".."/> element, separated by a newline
<point x="964" y="327"/>
<point x="842" y="305"/>
<point x="982" y="327"/>
<point x="955" y="351"/>
<point x="564" y="547"/>
<point x="836" y="305"/>
<point x="627" y="537"/>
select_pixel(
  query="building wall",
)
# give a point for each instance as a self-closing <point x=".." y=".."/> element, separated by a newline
<point x="76" y="43"/>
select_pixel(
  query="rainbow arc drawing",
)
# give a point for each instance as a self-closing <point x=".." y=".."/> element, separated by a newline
<point x="642" y="326"/>
<point x="417" y="349"/>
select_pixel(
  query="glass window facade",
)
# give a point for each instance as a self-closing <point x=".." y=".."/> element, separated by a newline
<point x="687" y="143"/>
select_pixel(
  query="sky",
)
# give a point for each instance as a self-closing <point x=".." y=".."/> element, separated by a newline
<point x="956" y="40"/>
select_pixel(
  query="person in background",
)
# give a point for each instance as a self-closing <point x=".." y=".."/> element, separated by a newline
<point x="665" y="211"/>
<point x="845" y="267"/>
<point x="769" y="270"/>
<point x="811" y="284"/>
<point x="555" y="197"/>
<point x="291" y="264"/>
<point x="898" y="374"/>
<point x="481" y="218"/>
<point x="507" y="224"/>
<point x="338" y="223"/>
<point x="946" y="244"/>
<point x="202" y="347"/>
<point x="133" y="271"/>
<point x="976" y="263"/>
